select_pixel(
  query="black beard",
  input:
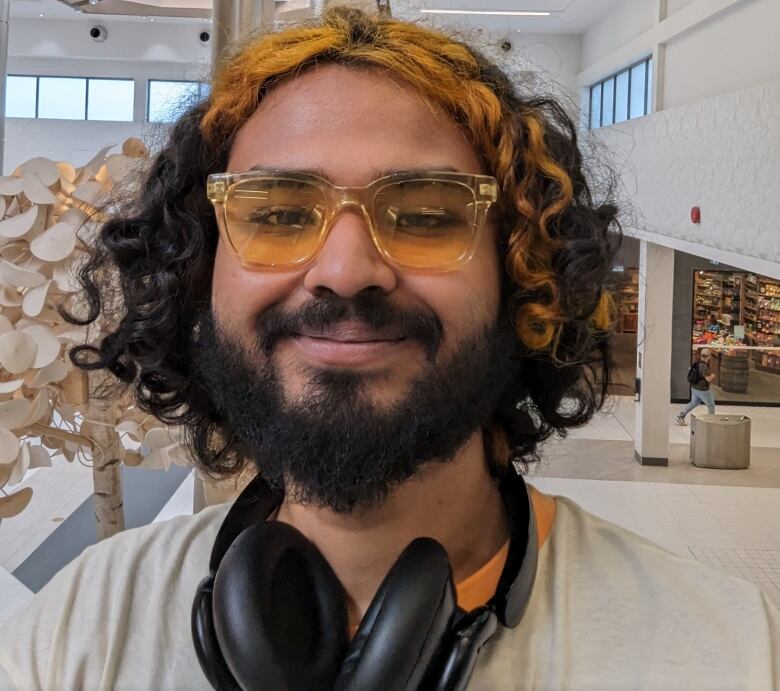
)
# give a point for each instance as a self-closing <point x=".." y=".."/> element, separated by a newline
<point x="335" y="449"/>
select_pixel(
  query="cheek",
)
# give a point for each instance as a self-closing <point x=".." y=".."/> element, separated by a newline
<point x="465" y="300"/>
<point x="238" y="294"/>
<point x="224" y="285"/>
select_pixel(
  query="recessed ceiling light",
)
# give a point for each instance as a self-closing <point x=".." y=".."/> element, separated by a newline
<point x="504" y="13"/>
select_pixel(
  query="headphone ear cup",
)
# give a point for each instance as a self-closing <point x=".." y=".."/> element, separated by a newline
<point x="279" y="611"/>
<point x="402" y="632"/>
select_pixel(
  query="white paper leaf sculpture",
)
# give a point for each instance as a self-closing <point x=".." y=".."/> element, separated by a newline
<point x="19" y="225"/>
<point x="43" y="168"/>
<point x="17" y="351"/>
<point x="36" y="191"/>
<point x="14" y="504"/>
<point x="9" y="447"/>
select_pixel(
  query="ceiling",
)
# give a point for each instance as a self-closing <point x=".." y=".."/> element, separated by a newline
<point x="567" y="16"/>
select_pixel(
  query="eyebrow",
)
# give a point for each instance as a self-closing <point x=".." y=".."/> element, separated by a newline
<point x="377" y="173"/>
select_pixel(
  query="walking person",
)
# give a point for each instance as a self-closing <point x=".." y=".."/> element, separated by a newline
<point x="699" y="377"/>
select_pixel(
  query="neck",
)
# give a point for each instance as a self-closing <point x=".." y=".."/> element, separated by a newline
<point x="457" y="503"/>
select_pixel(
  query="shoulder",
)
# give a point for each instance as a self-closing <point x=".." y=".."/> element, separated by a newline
<point x="126" y="597"/>
<point x="633" y="562"/>
<point x="609" y="605"/>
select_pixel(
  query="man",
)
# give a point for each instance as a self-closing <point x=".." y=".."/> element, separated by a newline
<point x="700" y="379"/>
<point x="360" y="322"/>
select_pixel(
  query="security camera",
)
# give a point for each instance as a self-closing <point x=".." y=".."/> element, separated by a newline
<point x="99" y="33"/>
<point x="505" y="46"/>
<point x="204" y="37"/>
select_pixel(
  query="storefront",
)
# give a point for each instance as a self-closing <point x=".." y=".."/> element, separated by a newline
<point x="736" y="314"/>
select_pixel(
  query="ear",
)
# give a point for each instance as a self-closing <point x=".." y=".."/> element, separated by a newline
<point x="279" y="611"/>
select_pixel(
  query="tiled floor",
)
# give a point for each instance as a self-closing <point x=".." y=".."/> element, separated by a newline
<point x="693" y="511"/>
<point x="761" y="566"/>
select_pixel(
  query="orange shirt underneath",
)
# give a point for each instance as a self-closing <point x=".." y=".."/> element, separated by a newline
<point x="475" y="590"/>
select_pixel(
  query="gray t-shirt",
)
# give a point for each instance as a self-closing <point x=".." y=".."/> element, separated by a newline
<point x="609" y="611"/>
<point x="702" y="384"/>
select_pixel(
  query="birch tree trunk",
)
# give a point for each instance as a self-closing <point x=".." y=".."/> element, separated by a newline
<point x="106" y="470"/>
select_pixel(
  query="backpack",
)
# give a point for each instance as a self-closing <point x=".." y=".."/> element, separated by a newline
<point x="694" y="374"/>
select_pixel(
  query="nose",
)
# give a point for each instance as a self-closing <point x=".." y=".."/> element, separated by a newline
<point x="348" y="261"/>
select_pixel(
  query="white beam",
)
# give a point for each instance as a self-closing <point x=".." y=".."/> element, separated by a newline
<point x="740" y="261"/>
<point x="684" y="20"/>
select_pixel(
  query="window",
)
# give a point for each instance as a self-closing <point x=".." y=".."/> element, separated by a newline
<point x="638" y="90"/>
<point x="595" y="106"/>
<point x="622" y="96"/>
<point x="608" y="102"/>
<point x="167" y="100"/>
<point x="110" y="99"/>
<point x="69" y="98"/>
<point x="20" y="97"/>
<point x="64" y="98"/>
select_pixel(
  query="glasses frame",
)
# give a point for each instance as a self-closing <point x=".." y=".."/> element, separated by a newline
<point x="219" y="187"/>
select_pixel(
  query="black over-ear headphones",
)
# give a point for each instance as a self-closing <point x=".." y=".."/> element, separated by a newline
<point x="271" y="614"/>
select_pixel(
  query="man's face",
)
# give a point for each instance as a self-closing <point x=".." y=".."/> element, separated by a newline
<point x="353" y="126"/>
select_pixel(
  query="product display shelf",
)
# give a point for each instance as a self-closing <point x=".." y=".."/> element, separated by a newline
<point x="762" y="318"/>
<point x="708" y="294"/>
<point x="628" y="301"/>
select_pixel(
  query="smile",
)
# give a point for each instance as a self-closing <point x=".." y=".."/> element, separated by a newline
<point x="346" y="351"/>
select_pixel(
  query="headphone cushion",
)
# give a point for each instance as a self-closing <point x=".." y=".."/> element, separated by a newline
<point x="402" y="632"/>
<point x="279" y="611"/>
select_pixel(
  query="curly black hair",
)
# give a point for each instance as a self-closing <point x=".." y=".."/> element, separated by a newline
<point x="157" y="252"/>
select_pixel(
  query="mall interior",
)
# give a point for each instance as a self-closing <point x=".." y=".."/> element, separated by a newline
<point x="680" y="97"/>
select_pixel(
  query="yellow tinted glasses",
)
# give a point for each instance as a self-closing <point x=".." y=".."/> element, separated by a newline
<point x="279" y="220"/>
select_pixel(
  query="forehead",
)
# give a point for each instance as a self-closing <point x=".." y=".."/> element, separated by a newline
<point x="350" y="123"/>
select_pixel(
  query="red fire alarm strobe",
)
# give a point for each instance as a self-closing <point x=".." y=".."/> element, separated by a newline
<point x="696" y="214"/>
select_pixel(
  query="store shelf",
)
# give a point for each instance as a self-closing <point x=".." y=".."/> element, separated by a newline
<point x="764" y="368"/>
<point x="625" y="289"/>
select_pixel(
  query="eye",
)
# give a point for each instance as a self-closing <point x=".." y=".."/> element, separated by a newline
<point x="425" y="220"/>
<point x="285" y="217"/>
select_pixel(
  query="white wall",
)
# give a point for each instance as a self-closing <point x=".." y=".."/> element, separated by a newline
<point x="163" y="40"/>
<point x="673" y="6"/>
<point x="138" y="50"/>
<point x="629" y="20"/>
<point x="74" y="141"/>
<point x="709" y="46"/>
<point x="721" y="154"/>
<point x="550" y="61"/>
<point x="737" y="49"/>
<point x="716" y="140"/>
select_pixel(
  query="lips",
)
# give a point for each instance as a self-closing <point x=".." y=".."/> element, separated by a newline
<point x="351" y="332"/>
<point x="350" y="345"/>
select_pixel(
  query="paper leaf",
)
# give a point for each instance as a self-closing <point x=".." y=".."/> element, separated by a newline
<point x="14" y="413"/>
<point x="19" y="225"/>
<point x="17" y="351"/>
<point x="14" y="504"/>
<point x="43" y="168"/>
<point x="9" y="446"/>
<point x="36" y="191"/>
<point x="34" y="299"/>
<point x="48" y="344"/>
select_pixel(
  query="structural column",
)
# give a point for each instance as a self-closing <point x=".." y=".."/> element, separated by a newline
<point x="4" y="17"/>
<point x="654" y="354"/>
<point x="233" y="20"/>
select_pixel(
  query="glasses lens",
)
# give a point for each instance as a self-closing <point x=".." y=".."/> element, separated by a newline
<point x="425" y="223"/>
<point x="274" y="221"/>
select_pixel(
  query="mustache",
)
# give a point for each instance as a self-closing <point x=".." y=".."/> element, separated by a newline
<point x="373" y="310"/>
